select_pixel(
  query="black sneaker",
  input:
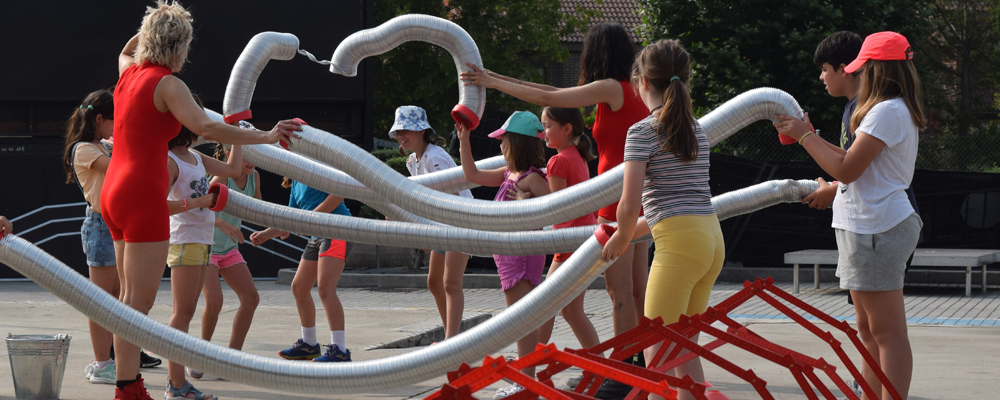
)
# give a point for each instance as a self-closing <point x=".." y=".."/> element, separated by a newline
<point x="145" y="360"/>
<point x="148" y="361"/>
<point x="614" y="390"/>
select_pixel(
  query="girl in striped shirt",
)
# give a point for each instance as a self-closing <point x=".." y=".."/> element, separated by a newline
<point x="666" y="166"/>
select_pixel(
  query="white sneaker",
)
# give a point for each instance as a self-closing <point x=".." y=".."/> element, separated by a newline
<point x="508" y="391"/>
<point x="855" y="387"/>
<point x="104" y="375"/>
<point x="89" y="369"/>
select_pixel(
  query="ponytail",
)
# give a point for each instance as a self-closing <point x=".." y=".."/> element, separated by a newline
<point x="584" y="146"/>
<point x="82" y="125"/>
<point x="220" y="152"/>
<point x="666" y="68"/>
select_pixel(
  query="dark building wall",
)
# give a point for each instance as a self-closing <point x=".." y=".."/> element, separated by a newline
<point x="55" y="52"/>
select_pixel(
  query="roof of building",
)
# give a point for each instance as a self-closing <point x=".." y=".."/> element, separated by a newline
<point x="622" y="11"/>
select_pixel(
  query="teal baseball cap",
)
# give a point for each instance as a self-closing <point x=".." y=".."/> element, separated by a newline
<point x="523" y="122"/>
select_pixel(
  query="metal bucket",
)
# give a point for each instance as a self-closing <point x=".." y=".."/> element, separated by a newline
<point x="37" y="363"/>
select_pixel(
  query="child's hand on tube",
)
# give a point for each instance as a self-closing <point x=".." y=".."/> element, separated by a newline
<point x="793" y="127"/>
<point x="5" y="226"/>
<point x="615" y="247"/>
<point x="463" y="133"/>
<point x="823" y="197"/>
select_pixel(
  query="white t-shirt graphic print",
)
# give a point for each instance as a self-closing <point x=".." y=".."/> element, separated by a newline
<point x="876" y="201"/>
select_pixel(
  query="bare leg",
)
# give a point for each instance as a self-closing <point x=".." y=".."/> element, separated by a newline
<point x="330" y="269"/>
<point x="302" y="284"/>
<point x="435" y="284"/>
<point x="527" y="343"/>
<point x="640" y="276"/>
<point x="454" y="271"/>
<point x="212" y="290"/>
<point x="692" y="368"/>
<point x="185" y="288"/>
<point x="105" y="278"/>
<point x="239" y="279"/>
<point x="574" y="315"/>
<point x="142" y="265"/>
<point x="886" y="324"/>
<point x="618" y="280"/>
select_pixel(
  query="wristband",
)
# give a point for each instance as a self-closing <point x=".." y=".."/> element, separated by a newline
<point x="186" y="205"/>
<point x="804" y="136"/>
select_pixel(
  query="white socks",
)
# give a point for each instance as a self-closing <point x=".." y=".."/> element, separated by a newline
<point x="337" y="338"/>
<point x="309" y="335"/>
<point x="103" y="364"/>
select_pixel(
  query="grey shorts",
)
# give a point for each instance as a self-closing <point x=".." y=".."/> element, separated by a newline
<point x="877" y="262"/>
<point x="317" y="248"/>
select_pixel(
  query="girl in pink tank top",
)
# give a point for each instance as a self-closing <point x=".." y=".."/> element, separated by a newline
<point x="522" y="179"/>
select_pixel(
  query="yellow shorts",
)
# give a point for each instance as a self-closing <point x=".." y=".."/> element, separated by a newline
<point x="689" y="256"/>
<point x="196" y="254"/>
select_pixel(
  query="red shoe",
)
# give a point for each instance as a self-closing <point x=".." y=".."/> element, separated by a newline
<point x="135" y="391"/>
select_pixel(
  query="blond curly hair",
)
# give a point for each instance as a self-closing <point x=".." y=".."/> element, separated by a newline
<point x="165" y="35"/>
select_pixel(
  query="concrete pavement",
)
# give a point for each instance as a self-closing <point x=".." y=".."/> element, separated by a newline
<point x="954" y="338"/>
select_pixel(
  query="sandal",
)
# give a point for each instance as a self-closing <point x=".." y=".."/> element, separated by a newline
<point x="182" y="393"/>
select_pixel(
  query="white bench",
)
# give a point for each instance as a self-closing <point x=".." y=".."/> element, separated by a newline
<point x="948" y="258"/>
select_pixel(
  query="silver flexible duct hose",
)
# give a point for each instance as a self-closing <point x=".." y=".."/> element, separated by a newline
<point x="263" y="47"/>
<point x="470" y="241"/>
<point x="278" y="374"/>
<point x="296" y="376"/>
<point x="332" y="181"/>
<point x="534" y="213"/>
<point x="748" y="107"/>
<point x="416" y="27"/>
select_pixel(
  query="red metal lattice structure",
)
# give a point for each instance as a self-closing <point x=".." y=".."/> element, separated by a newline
<point x="465" y="381"/>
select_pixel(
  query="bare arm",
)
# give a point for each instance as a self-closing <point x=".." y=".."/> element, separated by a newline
<point x="5" y="226"/>
<point x="628" y="210"/>
<point x="232" y="168"/>
<point x="256" y="193"/>
<point x="329" y="204"/>
<point x="492" y="178"/>
<point x="556" y="184"/>
<point x="101" y="164"/>
<point x="606" y="91"/>
<point x="171" y="94"/>
<point x="127" y="56"/>
<point x="535" y="184"/>
<point x="539" y="86"/>
<point x="794" y="127"/>
<point x="848" y="167"/>
<point x="177" y="206"/>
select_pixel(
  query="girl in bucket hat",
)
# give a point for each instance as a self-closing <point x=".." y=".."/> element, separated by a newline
<point x="876" y="227"/>
<point x="523" y="149"/>
<point x="444" y="279"/>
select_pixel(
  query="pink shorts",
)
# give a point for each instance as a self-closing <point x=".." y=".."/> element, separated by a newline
<point x="227" y="260"/>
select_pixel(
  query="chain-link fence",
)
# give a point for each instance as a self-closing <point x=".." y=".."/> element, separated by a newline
<point x="979" y="151"/>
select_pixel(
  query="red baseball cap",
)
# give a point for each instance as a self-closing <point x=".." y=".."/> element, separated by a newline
<point x="883" y="46"/>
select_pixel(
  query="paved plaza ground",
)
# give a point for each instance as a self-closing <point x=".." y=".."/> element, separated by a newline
<point x="956" y="339"/>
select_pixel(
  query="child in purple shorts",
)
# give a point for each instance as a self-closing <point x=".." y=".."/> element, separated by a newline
<point x="524" y="150"/>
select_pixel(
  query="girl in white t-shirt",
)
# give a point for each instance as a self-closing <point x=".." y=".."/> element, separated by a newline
<point x="192" y="233"/>
<point x="876" y="227"/>
<point x="444" y="279"/>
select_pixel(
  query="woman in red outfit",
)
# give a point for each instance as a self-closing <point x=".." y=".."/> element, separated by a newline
<point x="150" y="107"/>
<point x="605" y="65"/>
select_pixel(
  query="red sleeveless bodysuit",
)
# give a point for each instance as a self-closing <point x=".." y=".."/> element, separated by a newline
<point x="610" y="129"/>
<point x="134" y="196"/>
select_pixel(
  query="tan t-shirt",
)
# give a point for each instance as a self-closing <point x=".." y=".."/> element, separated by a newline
<point x="90" y="179"/>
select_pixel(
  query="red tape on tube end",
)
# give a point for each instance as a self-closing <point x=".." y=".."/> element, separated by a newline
<point x="220" y="202"/>
<point x="299" y="120"/>
<point x="603" y="233"/>
<point x="786" y="140"/>
<point x="230" y="119"/>
<point x="463" y="115"/>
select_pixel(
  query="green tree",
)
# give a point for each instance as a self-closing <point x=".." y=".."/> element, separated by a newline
<point x="746" y="44"/>
<point x="517" y="38"/>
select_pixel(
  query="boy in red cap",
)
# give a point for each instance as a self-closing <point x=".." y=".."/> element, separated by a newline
<point x="877" y="229"/>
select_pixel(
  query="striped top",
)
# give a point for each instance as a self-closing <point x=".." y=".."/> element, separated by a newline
<point x="672" y="187"/>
